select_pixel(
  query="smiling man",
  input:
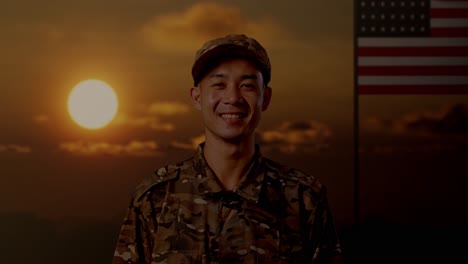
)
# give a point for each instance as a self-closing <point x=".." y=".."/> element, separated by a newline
<point x="229" y="204"/>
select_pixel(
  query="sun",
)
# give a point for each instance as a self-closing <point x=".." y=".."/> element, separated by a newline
<point x="92" y="104"/>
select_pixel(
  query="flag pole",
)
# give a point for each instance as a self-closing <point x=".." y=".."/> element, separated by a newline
<point x="356" y="198"/>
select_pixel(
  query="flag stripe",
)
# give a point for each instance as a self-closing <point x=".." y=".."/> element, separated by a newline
<point x="448" y="12"/>
<point x="412" y="80"/>
<point x="412" y="42"/>
<point x="449" y="22"/>
<point x="449" y="32"/>
<point x="411" y="61"/>
<point x="412" y="89"/>
<point x="449" y="4"/>
<point x="412" y="70"/>
<point x="413" y="51"/>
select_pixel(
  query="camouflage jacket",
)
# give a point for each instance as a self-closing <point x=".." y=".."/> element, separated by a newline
<point x="181" y="214"/>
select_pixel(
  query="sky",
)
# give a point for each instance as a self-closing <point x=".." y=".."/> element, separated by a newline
<point x="72" y="185"/>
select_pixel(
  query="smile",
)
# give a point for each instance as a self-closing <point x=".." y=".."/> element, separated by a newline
<point x="232" y="115"/>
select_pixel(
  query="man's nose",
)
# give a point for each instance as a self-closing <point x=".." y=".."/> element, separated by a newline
<point x="232" y="94"/>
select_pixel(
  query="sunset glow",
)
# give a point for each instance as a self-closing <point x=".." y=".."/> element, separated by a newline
<point x="95" y="98"/>
<point x="92" y="104"/>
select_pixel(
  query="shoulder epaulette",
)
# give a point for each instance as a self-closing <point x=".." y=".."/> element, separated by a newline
<point x="276" y="170"/>
<point x="302" y="178"/>
<point x="160" y="176"/>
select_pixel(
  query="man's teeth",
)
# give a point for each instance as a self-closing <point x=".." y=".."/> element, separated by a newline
<point x="231" y="115"/>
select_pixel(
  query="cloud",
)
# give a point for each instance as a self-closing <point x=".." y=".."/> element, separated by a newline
<point x="15" y="148"/>
<point x="151" y="122"/>
<point x="449" y="120"/>
<point x="181" y="145"/>
<point x="167" y="108"/>
<point x="193" y="144"/>
<point x="188" y="29"/>
<point x="133" y="148"/>
<point x="41" y="119"/>
<point x="291" y="137"/>
<point x="150" y="116"/>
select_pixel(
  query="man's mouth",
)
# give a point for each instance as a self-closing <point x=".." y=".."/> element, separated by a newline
<point x="232" y="115"/>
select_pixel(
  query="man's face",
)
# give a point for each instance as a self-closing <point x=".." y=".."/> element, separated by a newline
<point x="231" y="98"/>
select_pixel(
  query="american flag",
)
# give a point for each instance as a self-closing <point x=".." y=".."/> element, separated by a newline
<point x="411" y="46"/>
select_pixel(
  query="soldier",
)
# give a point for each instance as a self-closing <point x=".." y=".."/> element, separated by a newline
<point x="228" y="203"/>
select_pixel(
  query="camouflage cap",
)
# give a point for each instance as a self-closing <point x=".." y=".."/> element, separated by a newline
<point x="230" y="46"/>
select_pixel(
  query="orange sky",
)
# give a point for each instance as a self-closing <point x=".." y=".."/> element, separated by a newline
<point x="53" y="168"/>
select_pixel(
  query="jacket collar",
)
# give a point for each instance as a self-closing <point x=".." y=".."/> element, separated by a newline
<point x="249" y="186"/>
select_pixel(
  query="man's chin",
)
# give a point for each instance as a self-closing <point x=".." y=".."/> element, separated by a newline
<point x="233" y="137"/>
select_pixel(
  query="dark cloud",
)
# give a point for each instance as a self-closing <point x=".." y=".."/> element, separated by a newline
<point x="451" y="120"/>
<point x="300" y="126"/>
<point x="301" y="136"/>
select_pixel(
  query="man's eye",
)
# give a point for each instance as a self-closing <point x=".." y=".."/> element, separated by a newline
<point x="247" y="85"/>
<point x="218" y="84"/>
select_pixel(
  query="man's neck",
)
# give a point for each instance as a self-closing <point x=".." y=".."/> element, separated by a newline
<point x="228" y="160"/>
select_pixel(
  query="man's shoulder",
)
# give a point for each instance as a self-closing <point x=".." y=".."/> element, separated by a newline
<point x="160" y="177"/>
<point x="291" y="176"/>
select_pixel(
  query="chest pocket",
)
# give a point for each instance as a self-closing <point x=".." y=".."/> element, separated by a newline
<point x="274" y="241"/>
<point x="180" y="227"/>
<point x="257" y="237"/>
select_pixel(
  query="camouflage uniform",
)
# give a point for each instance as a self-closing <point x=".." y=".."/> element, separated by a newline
<point x="181" y="214"/>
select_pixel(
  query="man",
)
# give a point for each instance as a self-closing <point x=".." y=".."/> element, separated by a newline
<point x="228" y="204"/>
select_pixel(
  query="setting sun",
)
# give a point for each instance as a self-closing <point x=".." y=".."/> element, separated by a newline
<point x="92" y="104"/>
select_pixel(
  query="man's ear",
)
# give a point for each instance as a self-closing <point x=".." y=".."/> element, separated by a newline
<point x="266" y="97"/>
<point x="195" y="97"/>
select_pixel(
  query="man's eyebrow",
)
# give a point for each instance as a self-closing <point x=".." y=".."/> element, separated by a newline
<point x="217" y="75"/>
<point x="249" y="76"/>
<point x="243" y="77"/>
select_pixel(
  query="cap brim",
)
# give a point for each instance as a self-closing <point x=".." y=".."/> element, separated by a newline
<point x="213" y="57"/>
